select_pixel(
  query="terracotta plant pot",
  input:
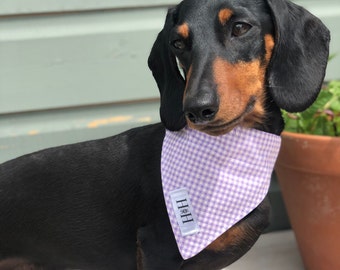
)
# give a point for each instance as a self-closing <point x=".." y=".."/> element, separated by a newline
<point x="308" y="170"/>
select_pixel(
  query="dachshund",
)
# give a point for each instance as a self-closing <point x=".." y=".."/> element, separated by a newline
<point x="99" y="204"/>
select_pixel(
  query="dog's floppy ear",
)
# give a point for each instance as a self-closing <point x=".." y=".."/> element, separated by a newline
<point x="171" y="85"/>
<point x="300" y="56"/>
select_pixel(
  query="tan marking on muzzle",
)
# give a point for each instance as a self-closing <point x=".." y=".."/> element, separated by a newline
<point x="269" y="44"/>
<point x="187" y="79"/>
<point x="237" y="85"/>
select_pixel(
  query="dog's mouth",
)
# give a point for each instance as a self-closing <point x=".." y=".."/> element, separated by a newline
<point x="220" y="127"/>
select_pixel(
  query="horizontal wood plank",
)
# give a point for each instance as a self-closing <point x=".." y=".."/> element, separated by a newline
<point x="75" y="60"/>
<point x="17" y="7"/>
<point x="29" y="132"/>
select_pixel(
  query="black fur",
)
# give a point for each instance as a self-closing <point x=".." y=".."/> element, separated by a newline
<point x="169" y="81"/>
<point x="300" y="57"/>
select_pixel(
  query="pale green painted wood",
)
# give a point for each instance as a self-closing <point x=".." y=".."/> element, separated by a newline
<point x="13" y="7"/>
<point x="28" y="132"/>
<point x="329" y="12"/>
<point x="71" y="60"/>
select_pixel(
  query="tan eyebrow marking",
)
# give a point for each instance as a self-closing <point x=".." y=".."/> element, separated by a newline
<point x="224" y="15"/>
<point x="183" y="30"/>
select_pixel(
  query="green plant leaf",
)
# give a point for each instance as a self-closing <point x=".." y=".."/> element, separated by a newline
<point x="334" y="88"/>
<point x="322" y="117"/>
<point x="335" y="106"/>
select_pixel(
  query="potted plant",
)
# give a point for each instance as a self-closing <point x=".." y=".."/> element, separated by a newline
<point x="308" y="170"/>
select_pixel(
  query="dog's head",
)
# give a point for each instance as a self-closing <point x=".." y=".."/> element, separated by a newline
<point x="236" y="57"/>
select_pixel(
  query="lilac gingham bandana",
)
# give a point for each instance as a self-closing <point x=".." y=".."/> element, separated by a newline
<point x="210" y="183"/>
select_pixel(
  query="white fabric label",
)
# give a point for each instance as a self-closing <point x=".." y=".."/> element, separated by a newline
<point x="185" y="215"/>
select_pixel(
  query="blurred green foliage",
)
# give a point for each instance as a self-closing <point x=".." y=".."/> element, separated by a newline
<point x="322" y="118"/>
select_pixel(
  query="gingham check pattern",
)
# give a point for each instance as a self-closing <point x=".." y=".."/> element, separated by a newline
<point x="226" y="176"/>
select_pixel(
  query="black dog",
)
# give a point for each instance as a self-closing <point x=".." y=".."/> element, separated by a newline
<point x="99" y="204"/>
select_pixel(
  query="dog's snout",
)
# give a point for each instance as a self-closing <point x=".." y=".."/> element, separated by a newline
<point x="201" y="110"/>
<point x="198" y="115"/>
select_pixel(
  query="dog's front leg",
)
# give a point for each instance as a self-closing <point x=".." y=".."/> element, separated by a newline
<point x="234" y="243"/>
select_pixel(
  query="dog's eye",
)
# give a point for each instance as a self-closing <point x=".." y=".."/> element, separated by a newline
<point x="178" y="44"/>
<point x="240" y="29"/>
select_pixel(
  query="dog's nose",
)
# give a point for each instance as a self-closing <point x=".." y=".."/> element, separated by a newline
<point x="200" y="110"/>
